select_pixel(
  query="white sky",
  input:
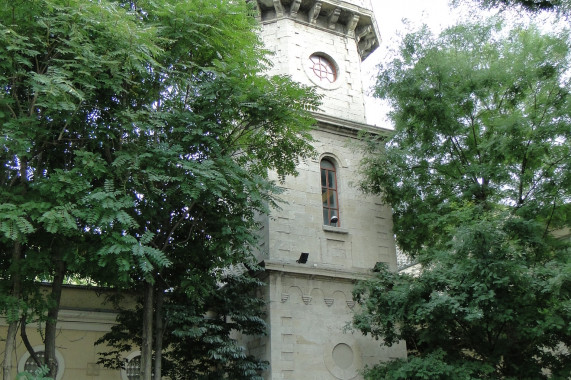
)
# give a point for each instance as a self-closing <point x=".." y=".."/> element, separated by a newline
<point x="389" y="15"/>
<point x="437" y="15"/>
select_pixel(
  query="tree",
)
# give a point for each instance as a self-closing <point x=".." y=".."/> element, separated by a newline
<point x="136" y="141"/>
<point x="478" y="173"/>
<point x="53" y="86"/>
<point x="198" y="335"/>
<point x="562" y="7"/>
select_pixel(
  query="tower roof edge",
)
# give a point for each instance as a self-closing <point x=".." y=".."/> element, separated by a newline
<point x="353" y="18"/>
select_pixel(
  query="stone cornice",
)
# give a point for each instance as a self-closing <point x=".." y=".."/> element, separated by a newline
<point x="341" y="17"/>
<point x="348" y="128"/>
<point x="82" y="320"/>
<point x="316" y="270"/>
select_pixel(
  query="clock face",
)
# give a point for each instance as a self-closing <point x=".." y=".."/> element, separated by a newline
<point x="322" y="68"/>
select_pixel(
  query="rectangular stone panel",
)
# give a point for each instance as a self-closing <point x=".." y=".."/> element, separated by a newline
<point x="337" y="248"/>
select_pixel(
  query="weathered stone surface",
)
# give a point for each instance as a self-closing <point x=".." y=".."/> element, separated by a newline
<point x="310" y="304"/>
<point x="341" y="17"/>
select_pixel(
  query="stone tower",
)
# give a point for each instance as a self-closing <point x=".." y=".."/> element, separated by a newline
<point x="328" y="234"/>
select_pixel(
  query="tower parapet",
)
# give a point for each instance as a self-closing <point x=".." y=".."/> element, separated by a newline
<point x="321" y="43"/>
<point x="353" y="19"/>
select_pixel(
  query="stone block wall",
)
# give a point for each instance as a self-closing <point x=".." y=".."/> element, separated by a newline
<point x="293" y="43"/>
<point x="364" y="236"/>
<point x="308" y="315"/>
<point x="310" y="304"/>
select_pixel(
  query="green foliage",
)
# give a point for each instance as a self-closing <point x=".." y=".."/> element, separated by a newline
<point x="233" y="307"/>
<point x="432" y="366"/>
<point x="40" y="374"/>
<point x="478" y="175"/>
<point x="137" y="139"/>
<point x="560" y="6"/>
<point x="479" y="119"/>
<point x="202" y="313"/>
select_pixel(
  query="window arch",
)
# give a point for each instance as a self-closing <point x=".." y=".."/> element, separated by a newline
<point x="27" y="363"/>
<point x="329" y="193"/>
<point x="132" y="368"/>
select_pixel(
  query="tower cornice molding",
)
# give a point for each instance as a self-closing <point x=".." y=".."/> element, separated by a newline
<point x="348" y="128"/>
<point x="342" y="17"/>
<point x="319" y="271"/>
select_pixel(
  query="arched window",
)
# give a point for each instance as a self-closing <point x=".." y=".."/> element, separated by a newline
<point x="28" y="364"/>
<point x="329" y="194"/>
<point x="31" y="366"/>
<point x="132" y="368"/>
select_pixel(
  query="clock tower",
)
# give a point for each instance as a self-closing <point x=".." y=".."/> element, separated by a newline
<point x="328" y="234"/>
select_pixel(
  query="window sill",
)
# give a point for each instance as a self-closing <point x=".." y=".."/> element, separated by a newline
<point x="337" y="230"/>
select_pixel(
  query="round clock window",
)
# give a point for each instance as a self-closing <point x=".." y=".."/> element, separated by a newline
<point x="323" y="69"/>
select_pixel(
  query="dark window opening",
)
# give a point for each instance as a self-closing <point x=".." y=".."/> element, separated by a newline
<point x="329" y="196"/>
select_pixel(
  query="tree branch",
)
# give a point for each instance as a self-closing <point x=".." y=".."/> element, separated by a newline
<point x="177" y="224"/>
<point x="26" y="342"/>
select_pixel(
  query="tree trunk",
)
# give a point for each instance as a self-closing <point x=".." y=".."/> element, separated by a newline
<point x="147" y="344"/>
<point x="9" y="349"/>
<point x="10" y="345"/>
<point x="159" y="331"/>
<point x="53" y="312"/>
<point x="26" y="341"/>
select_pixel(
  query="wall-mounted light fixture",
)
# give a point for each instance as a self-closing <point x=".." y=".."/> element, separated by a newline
<point x="302" y="258"/>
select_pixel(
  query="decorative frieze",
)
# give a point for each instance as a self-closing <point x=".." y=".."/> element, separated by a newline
<point x="361" y="32"/>
<point x="279" y="8"/>
<point x="352" y="24"/>
<point x="365" y="47"/>
<point x="310" y="293"/>
<point x="314" y="12"/>
<point x="342" y="17"/>
<point x="294" y="7"/>
<point x="334" y="17"/>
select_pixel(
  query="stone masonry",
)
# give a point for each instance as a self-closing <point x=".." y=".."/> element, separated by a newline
<point x="309" y="304"/>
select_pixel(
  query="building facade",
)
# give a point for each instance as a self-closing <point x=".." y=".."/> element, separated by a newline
<point x="84" y="317"/>
<point x="327" y="234"/>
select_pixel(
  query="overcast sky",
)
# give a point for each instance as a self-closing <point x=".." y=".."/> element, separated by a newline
<point x="389" y="16"/>
<point x="437" y="15"/>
